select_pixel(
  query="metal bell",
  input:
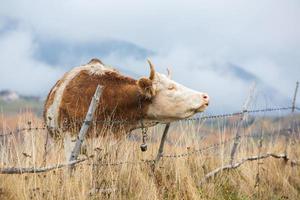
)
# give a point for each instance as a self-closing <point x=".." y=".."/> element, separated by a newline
<point x="143" y="147"/>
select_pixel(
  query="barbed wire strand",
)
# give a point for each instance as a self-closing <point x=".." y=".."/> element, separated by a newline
<point x="175" y="156"/>
<point x="213" y="146"/>
<point x="189" y="119"/>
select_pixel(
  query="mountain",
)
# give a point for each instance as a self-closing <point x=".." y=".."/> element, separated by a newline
<point x="12" y="103"/>
<point x="267" y="91"/>
<point x="10" y="96"/>
<point x="67" y="54"/>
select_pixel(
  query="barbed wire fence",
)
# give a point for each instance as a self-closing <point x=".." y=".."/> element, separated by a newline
<point x="232" y="165"/>
<point x="207" y="117"/>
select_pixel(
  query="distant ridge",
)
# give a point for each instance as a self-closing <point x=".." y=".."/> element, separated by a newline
<point x="67" y="54"/>
<point x="10" y="96"/>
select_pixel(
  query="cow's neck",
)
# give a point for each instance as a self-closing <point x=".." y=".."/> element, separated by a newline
<point x="127" y="104"/>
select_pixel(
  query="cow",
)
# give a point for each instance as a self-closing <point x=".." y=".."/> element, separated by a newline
<point x="125" y="103"/>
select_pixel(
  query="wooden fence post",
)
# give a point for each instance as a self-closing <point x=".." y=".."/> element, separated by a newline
<point x="295" y="97"/>
<point x="162" y="143"/>
<point x="294" y="125"/>
<point x="257" y="179"/>
<point x="238" y="132"/>
<point x="86" y="124"/>
<point x="291" y="130"/>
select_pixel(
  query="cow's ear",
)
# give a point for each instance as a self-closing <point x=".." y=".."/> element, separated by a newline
<point x="146" y="87"/>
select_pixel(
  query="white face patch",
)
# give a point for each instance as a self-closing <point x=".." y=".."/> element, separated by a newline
<point x="52" y="113"/>
<point x="174" y="101"/>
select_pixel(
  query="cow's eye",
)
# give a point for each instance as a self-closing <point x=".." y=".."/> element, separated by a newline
<point x="172" y="87"/>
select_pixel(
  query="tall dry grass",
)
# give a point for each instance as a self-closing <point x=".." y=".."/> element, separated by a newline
<point x="173" y="178"/>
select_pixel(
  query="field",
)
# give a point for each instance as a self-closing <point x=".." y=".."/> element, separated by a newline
<point x="117" y="169"/>
<point x="21" y="105"/>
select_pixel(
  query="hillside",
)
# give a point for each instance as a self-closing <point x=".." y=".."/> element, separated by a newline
<point x="119" y="170"/>
<point x="12" y="103"/>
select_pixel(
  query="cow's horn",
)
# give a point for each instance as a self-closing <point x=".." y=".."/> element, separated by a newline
<point x="169" y="73"/>
<point x="152" y="72"/>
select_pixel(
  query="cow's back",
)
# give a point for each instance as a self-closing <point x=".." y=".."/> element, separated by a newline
<point x="68" y="101"/>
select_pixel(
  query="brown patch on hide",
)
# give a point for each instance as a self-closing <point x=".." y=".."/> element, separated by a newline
<point x="120" y="100"/>
<point x="146" y="87"/>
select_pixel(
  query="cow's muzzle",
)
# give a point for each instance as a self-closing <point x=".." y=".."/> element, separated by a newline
<point x="204" y="103"/>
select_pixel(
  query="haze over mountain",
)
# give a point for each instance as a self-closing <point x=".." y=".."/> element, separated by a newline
<point x="219" y="48"/>
<point x="68" y="54"/>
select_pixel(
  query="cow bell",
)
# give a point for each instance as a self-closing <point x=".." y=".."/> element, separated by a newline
<point x="144" y="137"/>
<point x="143" y="147"/>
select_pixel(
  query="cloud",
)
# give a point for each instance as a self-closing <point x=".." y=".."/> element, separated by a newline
<point x="149" y="23"/>
<point x="19" y="71"/>
<point x="198" y="39"/>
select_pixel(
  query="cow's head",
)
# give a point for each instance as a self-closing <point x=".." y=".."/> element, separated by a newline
<point x="170" y="100"/>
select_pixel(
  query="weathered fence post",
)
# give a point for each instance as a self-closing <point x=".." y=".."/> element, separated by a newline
<point x="295" y="97"/>
<point x="257" y="179"/>
<point x="86" y="124"/>
<point x="45" y="149"/>
<point x="291" y="130"/>
<point x="162" y="143"/>
<point x="238" y="133"/>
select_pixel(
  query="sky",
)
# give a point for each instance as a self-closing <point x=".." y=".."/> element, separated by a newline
<point x="218" y="47"/>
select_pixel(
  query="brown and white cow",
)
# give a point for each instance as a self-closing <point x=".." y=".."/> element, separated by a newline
<point x="123" y="99"/>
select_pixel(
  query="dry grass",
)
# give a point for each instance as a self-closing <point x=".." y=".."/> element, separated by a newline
<point x="173" y="178"/>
